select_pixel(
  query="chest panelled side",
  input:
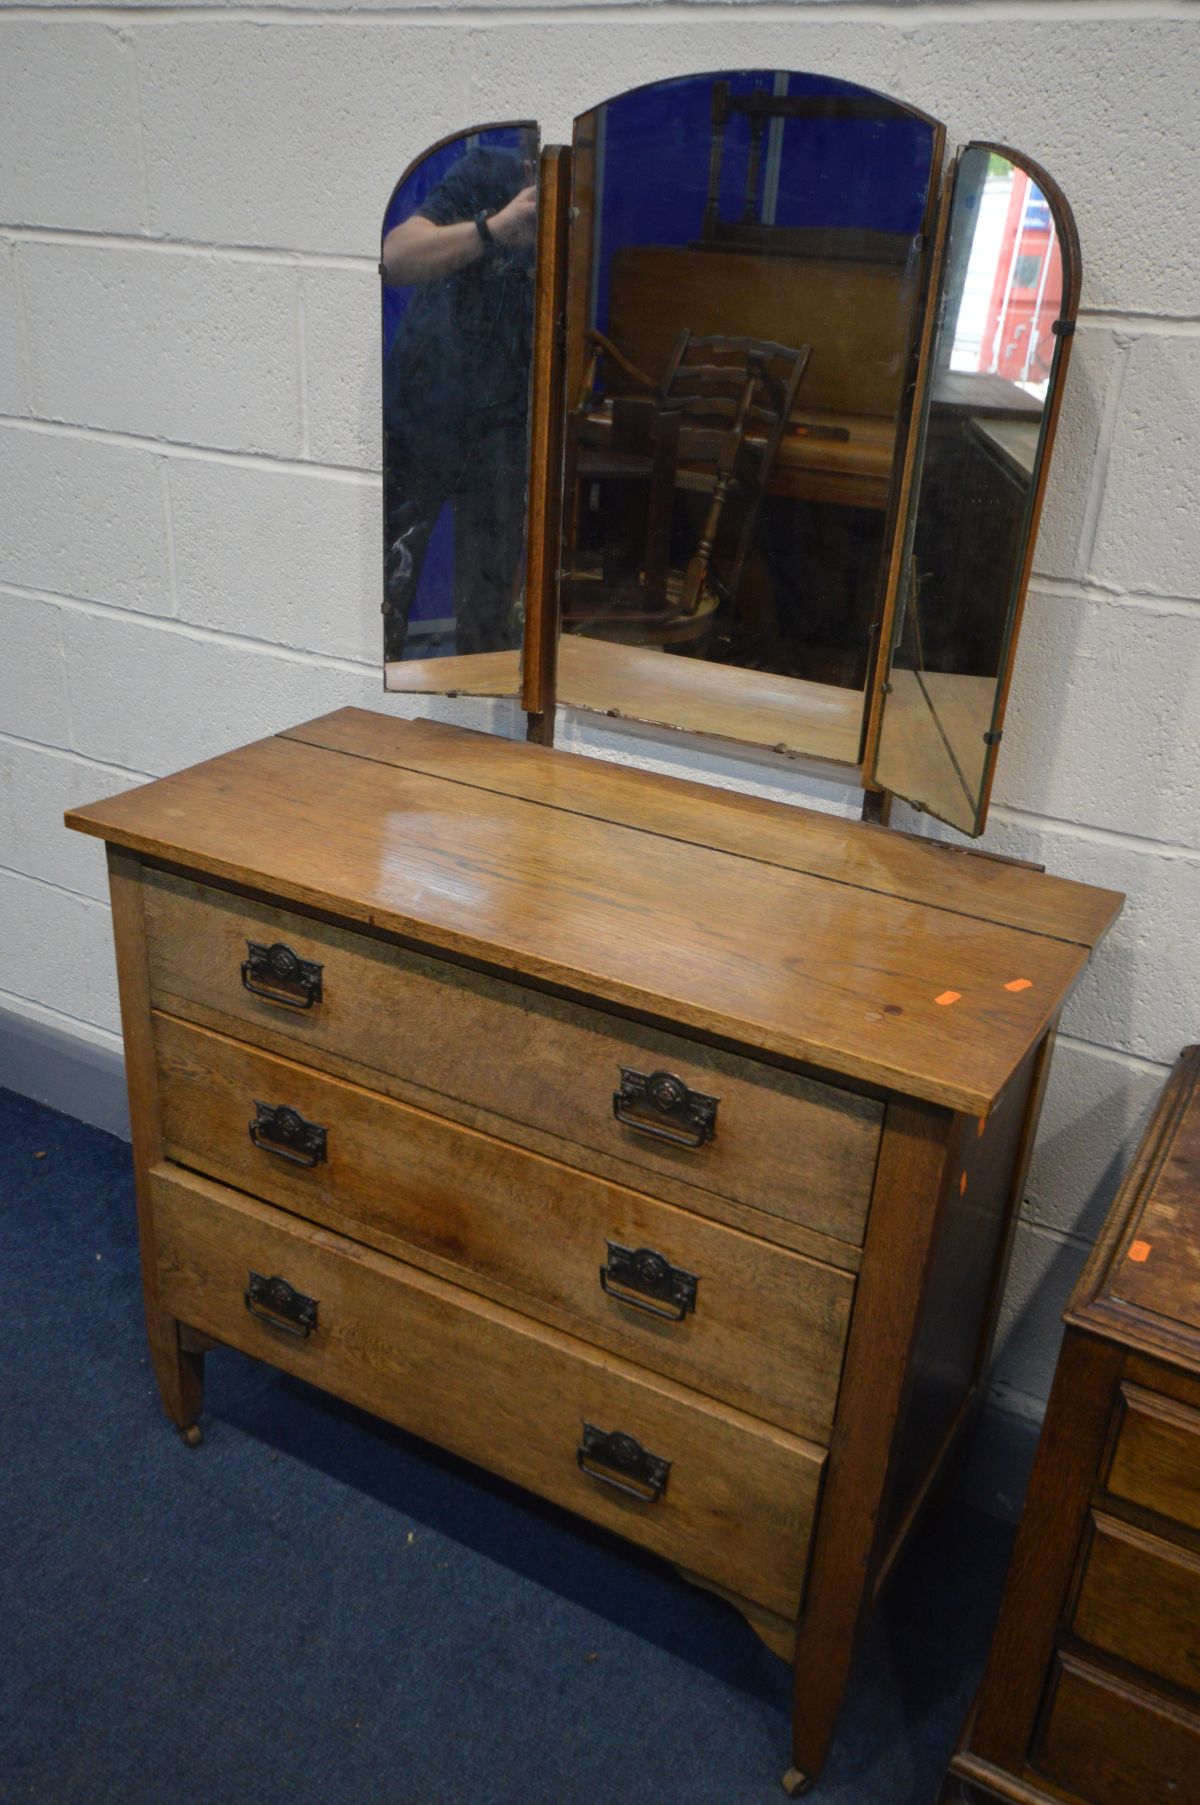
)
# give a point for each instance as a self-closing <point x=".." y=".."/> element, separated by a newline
<point x="489" y="1102"/>
<point x="1092" y="1690"/>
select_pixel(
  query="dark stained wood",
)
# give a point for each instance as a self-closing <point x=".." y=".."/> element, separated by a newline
<point x="1092" y="1689"/>
<point x="1056" y="1512"/>
<point x="179" y="1371"/>
<point x="905" y="866"/>
<point x="1155" y="1310"/>
<point x="910" y="1188"/>
<point x="1140" y="1601"/>
<point x="1113" y="1744"/>
<point x="811" y="971"/>
<point x="1157" y="1266"/>
<point x="1156" y="1457"/>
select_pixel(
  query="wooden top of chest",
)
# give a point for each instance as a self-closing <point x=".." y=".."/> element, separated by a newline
<point x="1141" y="1285"/>
<point x="876" y="956"/>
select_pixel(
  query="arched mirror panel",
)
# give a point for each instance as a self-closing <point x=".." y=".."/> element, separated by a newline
<point x="457" y="261"/>
<point x="1010" y="286"/>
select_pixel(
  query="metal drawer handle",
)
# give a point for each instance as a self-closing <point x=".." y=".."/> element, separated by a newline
<point x="684" y="1117"/>
<point x="644" y="1275"/>
<point x="280" y="1130"/>
<point x="641" y="1475"/>
<point x="277" y="974"/>
<point x="276" y="1302"/>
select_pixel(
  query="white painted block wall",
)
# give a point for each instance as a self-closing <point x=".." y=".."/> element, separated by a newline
<point x="189" y="449"/>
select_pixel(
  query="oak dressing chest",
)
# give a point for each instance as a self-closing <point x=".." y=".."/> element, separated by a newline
<point x="654" y="1146"/>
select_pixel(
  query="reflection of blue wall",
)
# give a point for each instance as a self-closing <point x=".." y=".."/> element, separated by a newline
<point x="870" y="174"/>
<point x="435" y="592"/>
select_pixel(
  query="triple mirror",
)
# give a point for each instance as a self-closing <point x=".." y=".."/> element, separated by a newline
<point x="769" y="464"/>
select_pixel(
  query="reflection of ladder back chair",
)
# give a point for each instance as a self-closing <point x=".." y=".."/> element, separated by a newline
<point x="712" y="429"/>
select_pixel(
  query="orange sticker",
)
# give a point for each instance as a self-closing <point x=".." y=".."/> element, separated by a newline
<point x="947" y="997"/>
<point x="1139" y="1251"/>
<point x="962" y="1184"/>
<point x="1020" y="984"/>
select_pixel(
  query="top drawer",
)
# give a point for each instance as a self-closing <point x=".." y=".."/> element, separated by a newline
<point x="1156" y="1456"/>
<point x="780" y="1143"/>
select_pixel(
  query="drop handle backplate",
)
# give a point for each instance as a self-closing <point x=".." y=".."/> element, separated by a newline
<point x="279" y="975"/>
<point x="280" y="1305"/>
<point x="646" y="1281"/>
<point x="281" y="1130"/>
<point x="661" y="1105"/>
<point x="617" y="1460"/>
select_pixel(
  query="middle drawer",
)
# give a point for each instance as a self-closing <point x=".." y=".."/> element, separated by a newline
<point x="741" y="1319"/>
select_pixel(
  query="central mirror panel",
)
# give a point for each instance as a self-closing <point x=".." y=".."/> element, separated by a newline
<point x="748" y="252"/>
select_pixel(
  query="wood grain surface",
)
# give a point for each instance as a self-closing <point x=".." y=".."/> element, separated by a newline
<point x="783" y="1144"/>
<point x="768" y="1327"/>
<point x="817" y="972"/>
<point x="178" y="1372"/>
<point x="868" y="857"/>
<point x="1110" y="1743"/>
<point x="495" y="1387"/>
<point x="1140" y="1600"/>
<point x="1157" y="1265"/>
<point x="1156" y="1458"/>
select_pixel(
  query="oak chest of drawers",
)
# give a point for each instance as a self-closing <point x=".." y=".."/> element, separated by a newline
<point x="655" y="1147"/>
<point x="1092" y="1691"/>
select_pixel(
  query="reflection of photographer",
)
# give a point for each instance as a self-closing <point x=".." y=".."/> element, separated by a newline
<point x="455" y="393"/>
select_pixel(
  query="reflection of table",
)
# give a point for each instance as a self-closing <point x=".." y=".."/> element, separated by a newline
<point x="932" y="748"/>
<point x="824" y="455"/>
<point x="1014" y="442"/>
<point x="977" y="392"/>
<point x="661" y="689"/>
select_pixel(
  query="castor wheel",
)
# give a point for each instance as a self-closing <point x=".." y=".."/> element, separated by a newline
<point x="193" y="1435"/>
<point x="794" y="1783"/>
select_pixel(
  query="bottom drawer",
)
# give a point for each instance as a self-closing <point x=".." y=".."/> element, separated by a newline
<point x="1112" y="1744"/>
<point x="738" y="1499"/>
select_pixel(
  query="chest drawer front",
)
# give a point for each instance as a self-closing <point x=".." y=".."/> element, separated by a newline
<point x="782" y="1143"/>
<point x="1108" y="1743"/>
<point x="1139" y="1599"/>
<point x="758" y="1326"/>
<point x="738" y="1500"/>
<point x="1156" y="1456"/>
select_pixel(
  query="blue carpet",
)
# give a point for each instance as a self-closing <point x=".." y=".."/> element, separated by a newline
<point x="316" y="1609"/>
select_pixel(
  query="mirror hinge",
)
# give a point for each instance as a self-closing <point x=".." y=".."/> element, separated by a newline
<point x="1063" y="328"/>
<point x="993" y="736"/>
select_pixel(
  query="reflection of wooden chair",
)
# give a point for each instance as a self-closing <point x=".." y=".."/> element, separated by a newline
<point x="712" y="430"/>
